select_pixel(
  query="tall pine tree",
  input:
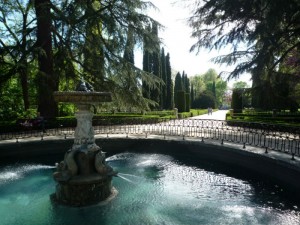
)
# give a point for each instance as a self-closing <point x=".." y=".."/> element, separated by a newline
<point x="151" y="64"/>
<point x="155" y="92"/>
<point x="163" y="91"/>
<point x="177" y="87"/>
<point x="169" y="84"/>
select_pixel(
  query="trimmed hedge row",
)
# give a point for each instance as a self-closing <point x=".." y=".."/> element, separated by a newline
<point x="284" y="119"/>
<point x="104" y="119"/>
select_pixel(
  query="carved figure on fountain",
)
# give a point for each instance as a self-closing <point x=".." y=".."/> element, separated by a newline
<point x="81" y="163"/>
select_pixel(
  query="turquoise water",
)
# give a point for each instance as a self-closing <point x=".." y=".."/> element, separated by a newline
<point x="154" y="189"/>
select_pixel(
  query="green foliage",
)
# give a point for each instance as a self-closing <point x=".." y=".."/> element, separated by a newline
<point x="210" y="82"/>
<point x="151" y="64"/>
<point x="264" y="38"/>
<point x="163" y="88"/>
<point x="266" y="30"/>
<point x="186" y="82"/>
<point x="66" y="109"/>
<point x="191" y="113"/>
<point x="240" y="84"/>
<point x="90" y="39"/>
<point x="187" y="102"/>
<point x="169" y="84"/>
<point x="237" y="100"/>
<point x="11" y="106"/>
<point x="181" y="101"/>
<point x="282" y="118"/>
<point x="210" y="76"/>
<point x="274" y="92"/>
<point x="198" y="84"/>
<point x="163" y="113"/>
<point x="192" y="93"/>
<point x="204" y="100"/>
<point x="28" y="114"/>
<point x="178" y="83"/>
<point x="178" y="86"/>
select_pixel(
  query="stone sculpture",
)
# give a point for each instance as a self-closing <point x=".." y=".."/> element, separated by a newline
<point x="83" y="177"/>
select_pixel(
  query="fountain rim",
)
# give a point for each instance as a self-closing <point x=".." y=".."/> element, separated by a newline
<point x="82" y="97"/>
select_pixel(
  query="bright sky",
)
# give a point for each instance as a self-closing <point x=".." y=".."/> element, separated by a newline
<point x="177" y="41"/>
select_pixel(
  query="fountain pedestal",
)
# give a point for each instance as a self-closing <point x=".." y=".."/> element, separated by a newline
<point x="83" y="177"/>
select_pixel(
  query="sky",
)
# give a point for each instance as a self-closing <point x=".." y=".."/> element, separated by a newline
<point x="176" y="38"/>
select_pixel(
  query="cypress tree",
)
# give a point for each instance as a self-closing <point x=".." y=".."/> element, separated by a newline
<point x="237" y="101"/>
<point x="183" y="80"/>
<point x="155" y="60"/>
<point x="192" y="93"/>
<point x="177" y="88"/>
<point x="146" y="67"/>
<point x="129" y="47"/>
<point x="187" y="102"/>
<point x="181" y="101"/>
<point x="47" y="79"/>
<point x="214" y="88"/>
<point x="163" y="95"/>
<point x="151" y="64"/>
<point x="186" y="88"/>
<point x="169" y="84"/>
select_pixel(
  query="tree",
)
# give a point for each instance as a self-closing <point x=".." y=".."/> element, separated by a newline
<point x="186" y="88"/>
<point x="198" y="85"/>
<point x="204" y="100"/>
<point x="214" y="85"/>
<point x="16" y="44"/>
<point x="147" y="66"/>
<point x="221" y="89"/>
<point x="209" y="78"/>
<point x="155" y="56"/>
<point x="240" y="84"/>
<point x="73" y="39"/>
<point x="163" y="72"/>
<point x="151" y="64"/>
<point x="181" y="101"/>
<point x="93" y="49"/>
<point x="47" y="80"/>
<point x="237" y="100"/>
<point x="178" y="86"/>
<point x="261" y="33"/>
<point x="169" y="84"/>
<point x="192" y="93"/>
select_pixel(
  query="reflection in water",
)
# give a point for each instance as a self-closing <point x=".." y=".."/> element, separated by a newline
<point x="153" y="189"/>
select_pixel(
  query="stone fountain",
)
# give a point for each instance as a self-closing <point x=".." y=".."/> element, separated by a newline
<point x="83" y="177"/>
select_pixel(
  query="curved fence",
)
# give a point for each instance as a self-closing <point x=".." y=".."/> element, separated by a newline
<point x="269" y="137"/>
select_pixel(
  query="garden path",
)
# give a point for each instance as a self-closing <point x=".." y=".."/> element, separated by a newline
<point x="218" y="115"/>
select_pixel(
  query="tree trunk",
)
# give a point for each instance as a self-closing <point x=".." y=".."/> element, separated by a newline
<point x="47" y="81"/>
<point x="24" y="84"/>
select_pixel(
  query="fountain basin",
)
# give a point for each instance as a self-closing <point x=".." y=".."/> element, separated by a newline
<point x="157" y="189"/>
